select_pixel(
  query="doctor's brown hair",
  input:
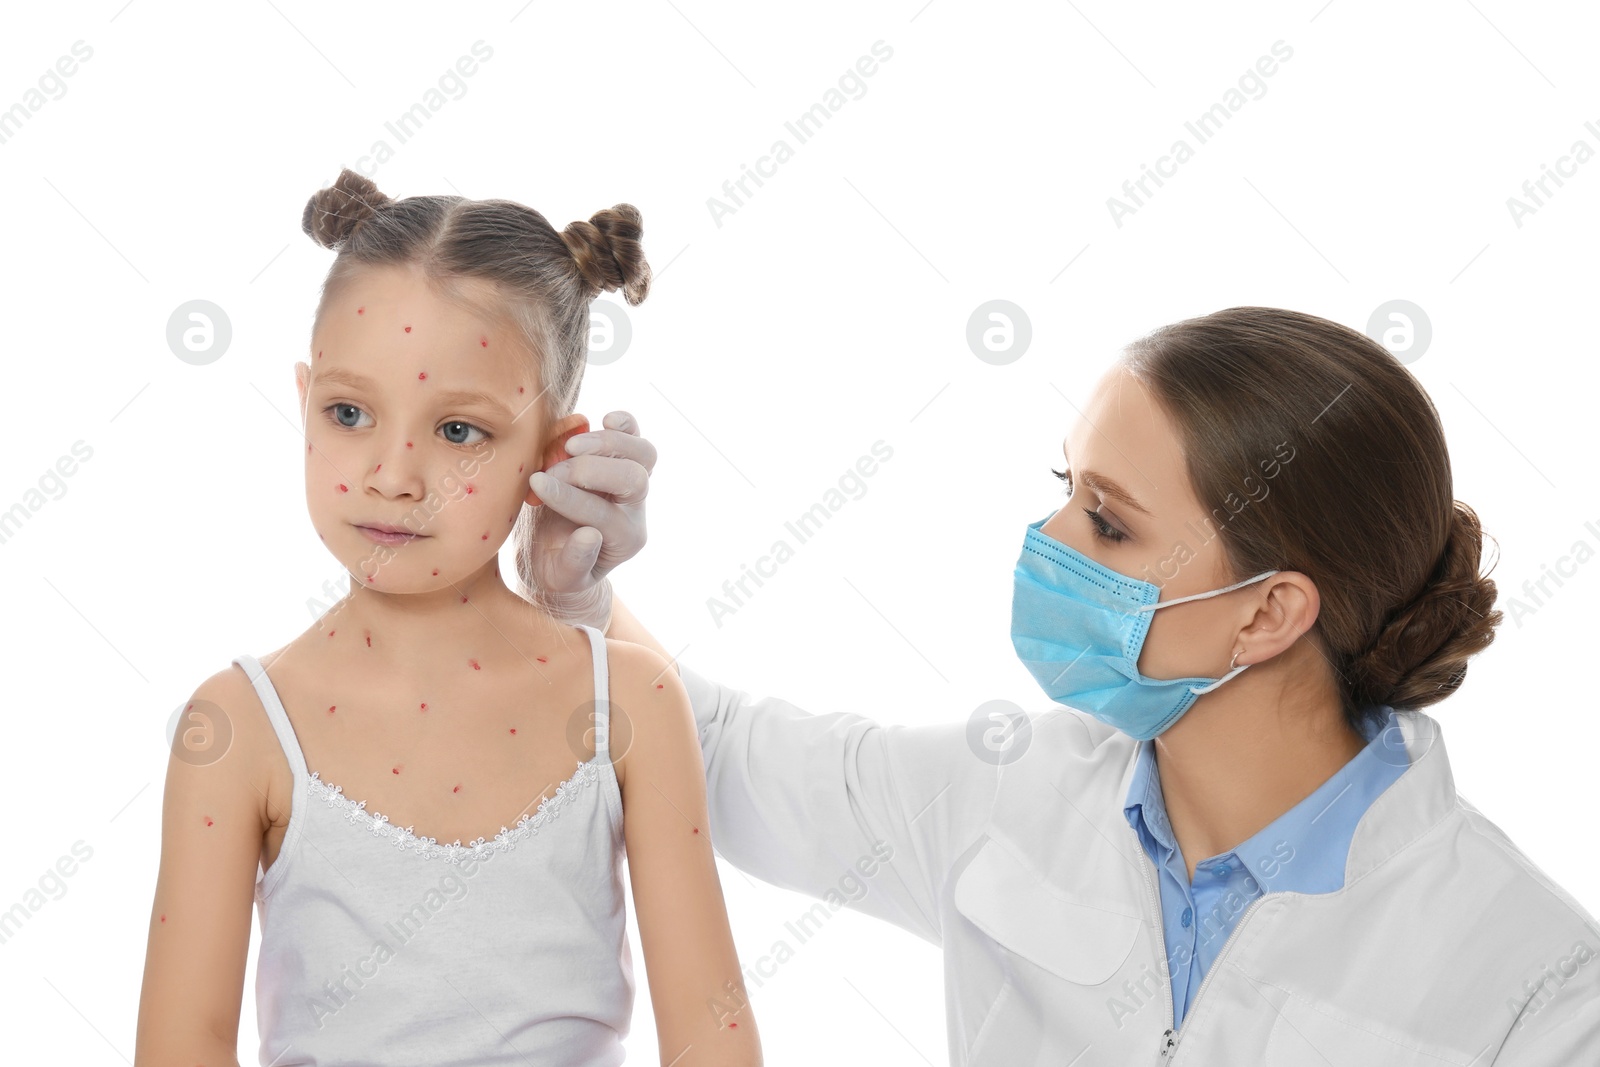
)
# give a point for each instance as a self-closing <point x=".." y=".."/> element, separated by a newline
<point x="1365" y="507"/>
<point x="545" y="279"/>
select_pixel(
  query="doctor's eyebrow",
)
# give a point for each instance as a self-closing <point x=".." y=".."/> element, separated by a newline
<point x="1104" y="486"/>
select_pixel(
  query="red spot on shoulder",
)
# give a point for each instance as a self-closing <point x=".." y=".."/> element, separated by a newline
<point x="473" y="661"/>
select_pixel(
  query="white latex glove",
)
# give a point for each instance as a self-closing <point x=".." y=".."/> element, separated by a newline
<point x="591" y="518"/>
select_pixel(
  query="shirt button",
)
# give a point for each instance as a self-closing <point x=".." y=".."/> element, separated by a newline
<point x="1188" y="914"/>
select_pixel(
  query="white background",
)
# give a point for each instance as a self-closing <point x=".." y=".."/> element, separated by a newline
<point x="826" y="313"/>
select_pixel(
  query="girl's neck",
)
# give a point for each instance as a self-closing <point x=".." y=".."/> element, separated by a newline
<point x="473" y="617"/>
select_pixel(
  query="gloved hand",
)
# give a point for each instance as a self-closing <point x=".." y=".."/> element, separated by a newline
<point x="591" y="519"/>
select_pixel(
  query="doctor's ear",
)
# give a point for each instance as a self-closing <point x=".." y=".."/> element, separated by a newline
<point x="1289" y="607"/>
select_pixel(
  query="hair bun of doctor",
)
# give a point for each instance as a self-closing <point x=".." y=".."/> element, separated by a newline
<point x="608" y="254"/>
<point x="1420" y="655"/>
<point x="1313" y="449"/>
<point x="332" y="214"/>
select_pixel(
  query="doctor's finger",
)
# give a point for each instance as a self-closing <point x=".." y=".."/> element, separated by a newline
<point x="624" y="480"/>
<point x="620" y="439"/>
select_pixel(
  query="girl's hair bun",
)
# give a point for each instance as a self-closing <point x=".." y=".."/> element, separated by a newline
<point x="332" y="214"/>
<point x="607" y="252"/>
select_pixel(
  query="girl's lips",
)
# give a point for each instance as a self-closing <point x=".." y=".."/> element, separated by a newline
<point x="384" y="537"/>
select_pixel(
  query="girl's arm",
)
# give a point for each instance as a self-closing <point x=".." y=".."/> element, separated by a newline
<point x="836" y="805"/>
<point x="703" y="1016"/>
<point x="213" y="818"/>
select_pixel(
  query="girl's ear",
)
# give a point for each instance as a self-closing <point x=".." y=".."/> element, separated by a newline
<point x="302" y="381"/>
<point x="556" y="450"/>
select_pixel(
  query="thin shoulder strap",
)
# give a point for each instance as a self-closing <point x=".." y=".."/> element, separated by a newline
<point x="280" y="718"/>
<point x="602" y="693"/>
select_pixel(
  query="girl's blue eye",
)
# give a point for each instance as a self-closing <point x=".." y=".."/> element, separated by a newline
<point x="1102" y="529"/>
<point x="339" y="411"/>
<point x="466" y="427"/>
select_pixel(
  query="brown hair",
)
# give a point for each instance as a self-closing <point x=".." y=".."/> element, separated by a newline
<point x="546" y="279"/>
<point x="1364" y="506"/>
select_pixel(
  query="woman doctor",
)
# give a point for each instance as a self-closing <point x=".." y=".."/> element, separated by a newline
<point x="1239" y="842"/>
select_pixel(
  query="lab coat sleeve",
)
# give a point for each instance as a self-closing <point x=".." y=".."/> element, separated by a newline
<point x="1560" y="1025"/>
<point x="840" y="807"/>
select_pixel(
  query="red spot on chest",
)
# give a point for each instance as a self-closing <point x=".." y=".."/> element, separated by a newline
<point x="343" y="488"/>
<point x="469" y="489"/>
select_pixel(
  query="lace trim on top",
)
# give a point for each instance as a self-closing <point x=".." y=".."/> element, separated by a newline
<point x="378" y="824"/>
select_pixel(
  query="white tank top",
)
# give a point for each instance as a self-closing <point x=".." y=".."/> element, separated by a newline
<point x="381" y="947"/>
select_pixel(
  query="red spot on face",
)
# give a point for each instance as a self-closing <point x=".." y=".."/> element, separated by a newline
<point x="408" y="444"/>
<point x="484" y="341"/>
<point x="457" y="789"/>
<point x="343" y="488"/>
<point x="331" y="707"/>
<point x="408" y="329"/>
<point x="370" y="577"/>
<point x="369" y="638"/>
<point x="424" y="705"/>
<point x="422" y="376"/>
<point x="473" y="661"/>
<point x="360" y="311"/>
<point x="378" y="468"/>
<point x="541" y="659"/>
<point x="396" y="770"/>
<point x="485" y="537"/>
<point x="733" y="1026"/>
<point x="513" y="729"/>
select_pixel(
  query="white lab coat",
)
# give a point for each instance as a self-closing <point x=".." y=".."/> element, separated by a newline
<point x="1445" y="945"/>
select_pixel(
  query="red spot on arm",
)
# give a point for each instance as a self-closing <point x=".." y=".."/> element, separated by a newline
<point x="473" y="661"/>
<point x="163" y="918"/>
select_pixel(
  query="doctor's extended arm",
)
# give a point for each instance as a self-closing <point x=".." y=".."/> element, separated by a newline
<point x="835" y="805"/>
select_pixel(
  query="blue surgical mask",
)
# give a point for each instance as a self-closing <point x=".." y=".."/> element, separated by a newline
<point x="1078" y="628"/>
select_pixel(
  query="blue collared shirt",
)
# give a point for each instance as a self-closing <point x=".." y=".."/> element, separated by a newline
<point x="1303" y="850"/>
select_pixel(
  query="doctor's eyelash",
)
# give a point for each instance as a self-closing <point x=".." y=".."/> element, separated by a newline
<point x="1102" y="529"/>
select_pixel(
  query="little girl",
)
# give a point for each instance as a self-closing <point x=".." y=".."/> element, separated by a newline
<point x="351" y="782"/>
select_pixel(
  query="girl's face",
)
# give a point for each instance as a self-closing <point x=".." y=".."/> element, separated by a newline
<point x="420" y="417"/>
<point x="1126" y="467"/>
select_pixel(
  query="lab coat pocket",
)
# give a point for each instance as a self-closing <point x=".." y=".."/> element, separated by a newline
<point x="1309" y="1034"/>
<point x="1071" y="932"/>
